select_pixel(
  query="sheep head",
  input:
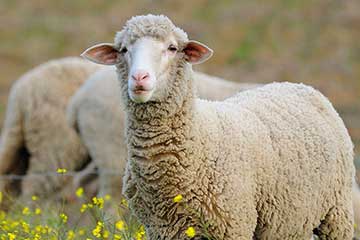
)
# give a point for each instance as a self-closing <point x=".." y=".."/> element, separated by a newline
<point x="149" y="50"/>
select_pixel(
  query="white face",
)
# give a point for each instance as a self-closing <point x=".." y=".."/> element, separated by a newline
<point x="148" y="61"/>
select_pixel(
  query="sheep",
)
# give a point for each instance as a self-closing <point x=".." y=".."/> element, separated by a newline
<point x="36" y="137"/>
<point x="275" y="162"/>
<point x="95" y="113"/>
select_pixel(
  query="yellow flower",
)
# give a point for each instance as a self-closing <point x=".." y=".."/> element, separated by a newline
<point x="140" y="233"/>
<point x="39" y="228"/>
<point x="178" y="198"/>
<point x="61" y="170"/>
<point x="124" y="202"/>
<point x="34" y="198"/>
<point x="106" y="234"/>
<point x="37" y="211"/>
<point x="120" y="225"/>
<point x="70" y="235"/>
<point x="26" y="227"/>
<point x="80" y="192"/>
<point x="63" y="217"/>
<point x="190" y="232"/>
<point x="83" y="208"/>
<point x="117" y="237"/>
<point x="81" y="232"/>
<point x="97" y="230"/>
<point x="37" y="236"/>
<point x="98" y="202"/>
<point x="26" y="211"/>
<point x="107" y="197"/>
<point x="11" y="236"/>
<point x="1" y="197"/>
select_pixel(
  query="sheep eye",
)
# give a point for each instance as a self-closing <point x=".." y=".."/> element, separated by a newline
<point x="172" y="48"/>
<point x="124" y="50"/>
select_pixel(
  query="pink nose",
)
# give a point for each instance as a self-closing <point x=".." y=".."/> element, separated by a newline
<point x="140" y="76"/>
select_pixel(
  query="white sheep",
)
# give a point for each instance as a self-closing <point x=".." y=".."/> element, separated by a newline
<point x="271" y="163"/>
<point x="36" y="137"/>
<point x="95" y="113"/>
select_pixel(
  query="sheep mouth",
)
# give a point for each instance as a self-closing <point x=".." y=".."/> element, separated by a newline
<point x="139" y="90"/>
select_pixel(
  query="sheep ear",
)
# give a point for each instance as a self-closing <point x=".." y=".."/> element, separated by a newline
<point x="196" y="52"/>
<point x="103" y="53"/>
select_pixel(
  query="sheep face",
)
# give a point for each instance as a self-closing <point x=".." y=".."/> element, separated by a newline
<point x="149" y="62"/>
<point x="150" y="55"/>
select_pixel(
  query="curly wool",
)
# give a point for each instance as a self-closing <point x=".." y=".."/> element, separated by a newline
<point x="249" y="165"/>
<point x="141" y="26"/>
<point x="95" y="113"/>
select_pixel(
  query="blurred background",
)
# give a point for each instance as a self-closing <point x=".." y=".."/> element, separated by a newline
<point x="316" y="42"/>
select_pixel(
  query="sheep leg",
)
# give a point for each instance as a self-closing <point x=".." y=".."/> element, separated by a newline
<point x="14" y="157"/>
<point x="338" y="223"/>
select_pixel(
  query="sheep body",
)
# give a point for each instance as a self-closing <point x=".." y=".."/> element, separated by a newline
<point x="36" y="137"/>
<point x="271" y="163"/>
<point x="96" y="113"/>
<point x="250" y="163"/>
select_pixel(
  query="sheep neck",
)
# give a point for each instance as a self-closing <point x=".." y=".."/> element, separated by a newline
<point x="159" y="151"/>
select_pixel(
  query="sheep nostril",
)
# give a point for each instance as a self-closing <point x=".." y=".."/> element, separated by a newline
<point x="140" y="76"/>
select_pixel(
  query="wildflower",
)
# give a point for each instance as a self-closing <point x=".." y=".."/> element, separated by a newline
<point x="140" y="233"/>
<point x="97" y="230"/>
<point x="34" y="198"/>
<point x="106" y="234"/>
<point x="37" y="211"/>
<point x="177" y="198"/>
<point x="39" y="229"/>
<point x="61" y="170"/>
<point x="107" y="197"/>
<point x="120" y="225"/>
<point x="70" y="235"/>
<point x="63" y="217"/>
<point x="124" y="202"/>
<point x="11" y="236"/>
<point x="98" y="202"/>
<point x="37" y="236"/>
<point x="117" y="237"/>
<point x="25" y="226"/>
<point x="83" y="208"/>
<point x="190" y="232"/>
<point x="80" y="192"/>
<point x="26" y="211"/>
<point x="81" y="232"/>
<point x="46" y="229"/>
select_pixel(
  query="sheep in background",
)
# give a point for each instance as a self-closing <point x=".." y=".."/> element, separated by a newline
<point x="271" y="163"/>
<point x="95" y="112"/>
<point x="36" y="137"/>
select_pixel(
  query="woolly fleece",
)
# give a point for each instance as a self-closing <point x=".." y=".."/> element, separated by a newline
<point x="36" y="137"/>
<point x="95" y="112"/>
<point x="271" y="163"/>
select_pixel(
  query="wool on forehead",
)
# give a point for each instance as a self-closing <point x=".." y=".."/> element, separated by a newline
<point x="156" y="26"/>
